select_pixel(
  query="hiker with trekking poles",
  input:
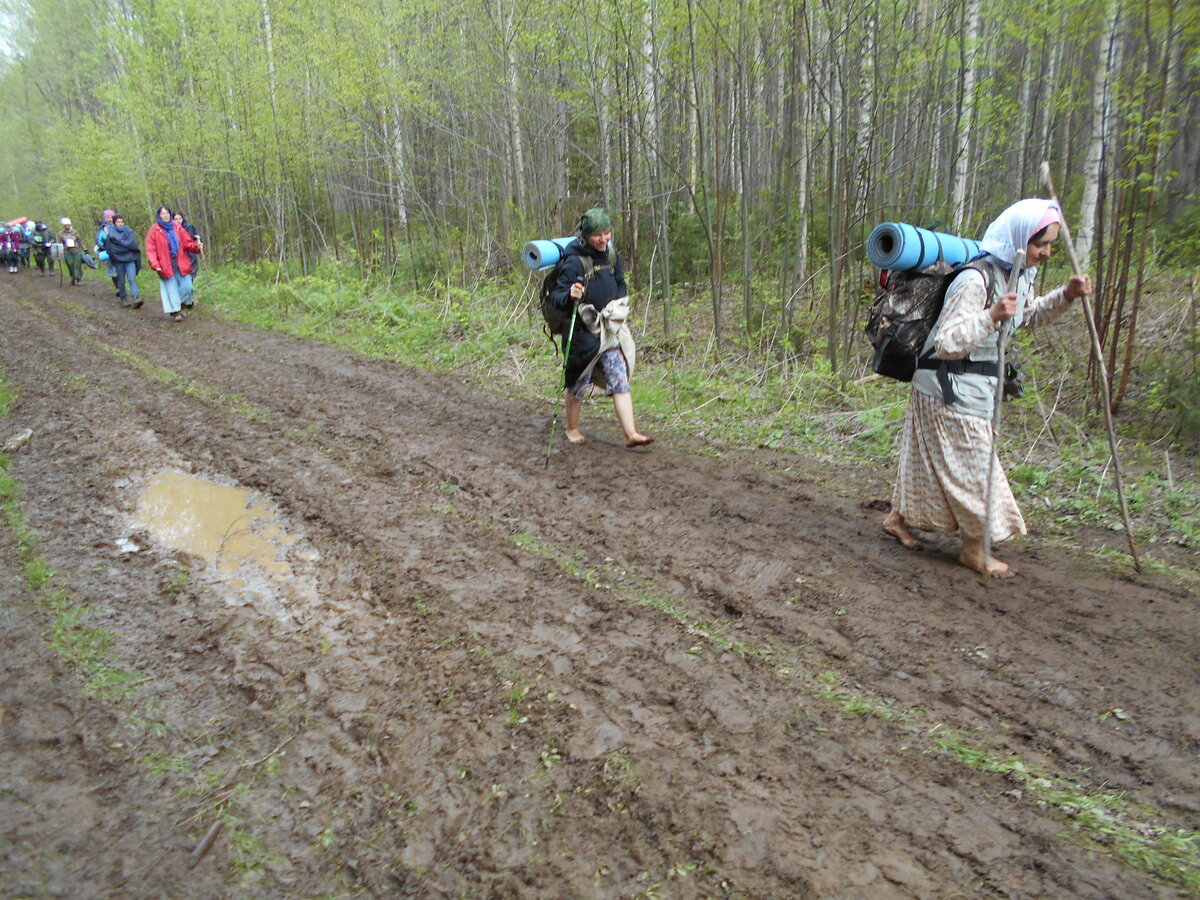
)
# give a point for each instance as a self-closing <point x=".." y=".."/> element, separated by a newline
<point x="949" y="476"/>
<point x="597" y="346"/>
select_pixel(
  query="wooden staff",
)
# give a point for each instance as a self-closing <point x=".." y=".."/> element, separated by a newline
<point x="1001" y="340"/>
<point x="1098" y="355"/>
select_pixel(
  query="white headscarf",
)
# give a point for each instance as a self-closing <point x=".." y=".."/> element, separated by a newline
<point x="1013" y="228"/>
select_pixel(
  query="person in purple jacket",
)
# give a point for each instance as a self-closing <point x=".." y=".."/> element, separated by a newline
<point x="10" y="246"/>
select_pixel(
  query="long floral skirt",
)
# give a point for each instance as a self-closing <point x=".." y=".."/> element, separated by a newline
<point x="941" y="484"/>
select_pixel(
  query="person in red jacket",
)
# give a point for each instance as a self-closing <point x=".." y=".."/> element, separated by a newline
<point x="167" y="249"/>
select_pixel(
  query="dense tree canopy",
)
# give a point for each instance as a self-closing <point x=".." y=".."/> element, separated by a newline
<point x="729" y="137"/>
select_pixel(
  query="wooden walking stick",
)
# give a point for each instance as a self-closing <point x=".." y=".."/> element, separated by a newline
<point x="1001" y="340"/>
<point x="1098" y="355"/>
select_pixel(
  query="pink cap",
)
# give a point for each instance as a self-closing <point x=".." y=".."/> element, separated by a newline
<point x="1050" y="217"/>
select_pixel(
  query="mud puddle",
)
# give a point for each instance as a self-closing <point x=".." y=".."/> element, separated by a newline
<point x="247" y="551"/>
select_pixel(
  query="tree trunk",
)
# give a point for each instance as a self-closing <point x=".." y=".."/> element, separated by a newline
<point x="966" y="116"/>
<point x="1101" y="81"/>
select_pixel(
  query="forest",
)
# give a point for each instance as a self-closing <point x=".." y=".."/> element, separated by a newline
<point x="745" y="149"/>
<point x="743" y="146"/>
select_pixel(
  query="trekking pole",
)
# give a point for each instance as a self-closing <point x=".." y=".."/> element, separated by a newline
<point x="558" y="398"/>
<point x="993" y="457"/>
<point x="1098" y="356"/>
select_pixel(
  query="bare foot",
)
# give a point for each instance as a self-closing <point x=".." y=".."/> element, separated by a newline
<point x="575" y="436"/>
<point x="993" y="567"/>
<point x="638" y="440"/>
<point x="893" y="524"/>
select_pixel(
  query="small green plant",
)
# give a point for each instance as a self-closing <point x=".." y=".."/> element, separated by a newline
<point x="7" y="397"/>
<point x="178" y="584"/>
<point x="620" y="776"/>
<point x="249" y="852"/>
<point x="162" y="764"/>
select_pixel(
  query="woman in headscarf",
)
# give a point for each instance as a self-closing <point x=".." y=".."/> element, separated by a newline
<point x="946" y="448"/>
<point x="591" y="287"/>
<point x="167" y="248"/>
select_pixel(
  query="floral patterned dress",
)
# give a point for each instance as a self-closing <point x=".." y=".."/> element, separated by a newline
<point x="945" y="451"/>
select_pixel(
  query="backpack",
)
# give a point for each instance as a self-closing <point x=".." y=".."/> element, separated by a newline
<point x="555" y="319"/>
<point x="905" y="310"/>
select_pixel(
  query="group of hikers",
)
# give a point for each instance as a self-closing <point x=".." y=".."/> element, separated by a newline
<point x="23" y="239"/>
<point x="949" y="476"/>
<point x="172" y="248"/>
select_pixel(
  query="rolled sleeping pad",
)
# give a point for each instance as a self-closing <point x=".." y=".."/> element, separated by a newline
<point x="895" y="245"/>
<point x="544" y="254"/>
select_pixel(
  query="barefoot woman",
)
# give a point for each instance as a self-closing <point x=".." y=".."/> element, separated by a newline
<point x="592" y="283"/>
<point x="947" y="443"/>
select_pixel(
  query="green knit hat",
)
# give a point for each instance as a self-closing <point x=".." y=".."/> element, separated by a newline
<point x="593" y="221"/>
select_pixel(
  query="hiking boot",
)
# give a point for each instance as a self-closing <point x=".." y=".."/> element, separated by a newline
<point x="178" y="317"/>
<point x="137" y="302"/>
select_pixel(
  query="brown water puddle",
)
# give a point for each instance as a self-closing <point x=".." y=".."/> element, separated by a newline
<point x="223" y="525"/>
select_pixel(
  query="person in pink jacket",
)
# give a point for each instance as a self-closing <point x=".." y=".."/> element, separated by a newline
<point x="10" y="246"/>
<point x="167" y="249"/>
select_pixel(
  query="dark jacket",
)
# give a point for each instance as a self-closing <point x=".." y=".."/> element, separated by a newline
<point x="42" y="247"/>
<point x="122" y="245"/>
<point x="607" y="284"/>
<point x="191" y="229"/>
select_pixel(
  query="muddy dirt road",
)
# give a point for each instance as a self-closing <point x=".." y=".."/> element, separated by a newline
<point x="455" y="673"/>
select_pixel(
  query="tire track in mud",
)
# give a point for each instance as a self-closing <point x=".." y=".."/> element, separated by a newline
<point x="734" y="768"/>
<point x="1008" y="625"/>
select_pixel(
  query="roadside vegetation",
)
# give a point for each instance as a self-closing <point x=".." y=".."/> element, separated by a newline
<point x="776" y="395"/>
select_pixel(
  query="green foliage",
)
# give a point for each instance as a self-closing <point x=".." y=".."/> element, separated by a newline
<point x="7" y="396"/>
<point x="440" y="331"/>
<point x="1174" y="388"/>
<point x="1180" y="237"/>
<point x="690" y="254"/>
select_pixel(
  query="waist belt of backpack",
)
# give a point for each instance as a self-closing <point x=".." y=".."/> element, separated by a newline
<point x="944" y="368"/>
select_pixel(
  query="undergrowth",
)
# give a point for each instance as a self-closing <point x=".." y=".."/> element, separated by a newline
<point x="734" y="396"/>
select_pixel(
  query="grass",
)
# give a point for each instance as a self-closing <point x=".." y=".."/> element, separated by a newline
<point x="83" y="647"/>
<point x="736" y="396"/>
<point x="1102" y="817"/>
<point x="7" y="397"/>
